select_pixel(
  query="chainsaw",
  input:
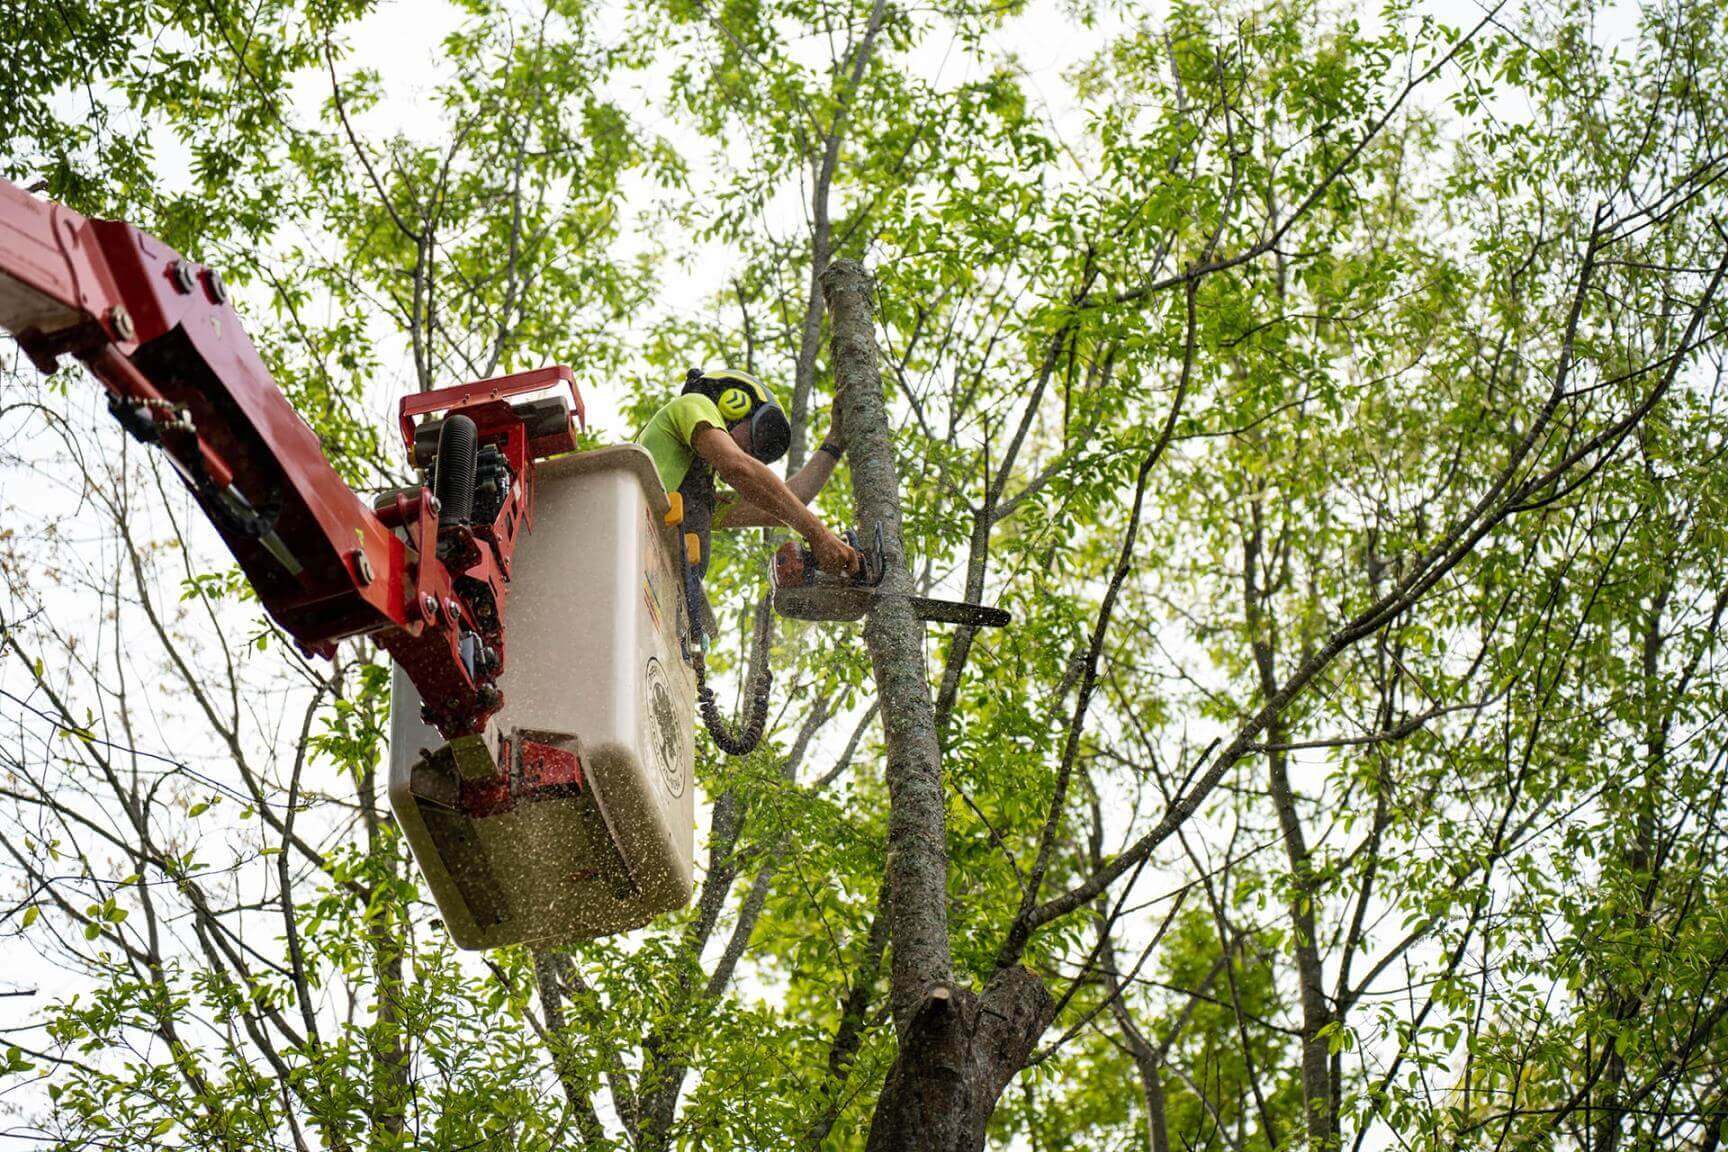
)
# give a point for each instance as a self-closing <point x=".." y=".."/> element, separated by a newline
<point x="804" y="592"/>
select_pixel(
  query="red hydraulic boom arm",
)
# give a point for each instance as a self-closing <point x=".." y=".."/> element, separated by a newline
<point x="425" y="571"/>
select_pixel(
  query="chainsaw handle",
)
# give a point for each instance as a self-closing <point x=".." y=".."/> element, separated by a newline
<point x="795" y="563"/>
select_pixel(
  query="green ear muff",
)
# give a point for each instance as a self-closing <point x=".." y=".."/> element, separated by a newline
<point x="734" y="404"/>
<point x="740" y="397"/>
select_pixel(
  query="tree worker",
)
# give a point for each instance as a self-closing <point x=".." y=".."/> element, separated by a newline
<point x="726" y="423"/>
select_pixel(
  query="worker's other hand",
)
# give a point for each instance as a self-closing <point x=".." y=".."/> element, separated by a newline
<point x="834" y="554"/>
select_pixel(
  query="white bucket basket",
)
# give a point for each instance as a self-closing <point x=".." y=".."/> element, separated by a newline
<point x="594" y="671"/>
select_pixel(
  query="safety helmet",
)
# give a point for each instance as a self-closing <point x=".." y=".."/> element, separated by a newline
<point x="741" y="399"/>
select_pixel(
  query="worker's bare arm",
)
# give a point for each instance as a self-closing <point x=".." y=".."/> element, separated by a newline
<point x="768" y="493"/>
<point x="763" y="492"/>
<point x="805" y="485"/>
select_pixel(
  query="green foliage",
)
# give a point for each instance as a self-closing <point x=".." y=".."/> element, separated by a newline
<point x="1443" y="376"/>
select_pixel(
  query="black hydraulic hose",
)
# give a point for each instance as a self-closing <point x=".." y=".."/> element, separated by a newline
<point x="741" y="741"/>
<point x="453" y="485"/>
<point x="745" y="740"/>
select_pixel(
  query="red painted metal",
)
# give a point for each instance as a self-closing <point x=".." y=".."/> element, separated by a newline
<point x="474" y="397"/>
<point x="548" y="766"/>
<point x="534" y="771"/>
<point x="158" y="332"/>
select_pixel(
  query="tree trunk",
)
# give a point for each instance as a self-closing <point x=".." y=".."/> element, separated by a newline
<point x="958" y="1049"/>
<point x="957" y="1054"/>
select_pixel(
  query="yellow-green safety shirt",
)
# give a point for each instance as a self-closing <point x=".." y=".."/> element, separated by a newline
<point x="669" y="434"/>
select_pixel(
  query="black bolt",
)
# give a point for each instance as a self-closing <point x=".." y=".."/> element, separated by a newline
<point x="213" y="284"/>
<point x="181" y="273"/>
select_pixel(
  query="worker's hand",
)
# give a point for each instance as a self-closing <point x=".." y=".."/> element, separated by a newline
<point x="834" y="554"/>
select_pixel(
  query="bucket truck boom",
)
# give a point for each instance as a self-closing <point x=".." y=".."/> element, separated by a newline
<point x="568" y="815"/>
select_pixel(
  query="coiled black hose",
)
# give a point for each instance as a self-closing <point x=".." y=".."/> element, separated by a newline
<point x="740" y="741"/>
<point x="453" y="484"/>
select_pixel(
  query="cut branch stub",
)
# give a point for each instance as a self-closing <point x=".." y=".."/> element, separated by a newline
<point x="957" y="1054"/>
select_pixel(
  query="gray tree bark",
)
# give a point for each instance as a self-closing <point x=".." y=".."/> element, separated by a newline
<point x="958" y="1049"/>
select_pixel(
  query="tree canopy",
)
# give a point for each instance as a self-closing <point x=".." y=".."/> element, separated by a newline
<point x="1334" y="395"/>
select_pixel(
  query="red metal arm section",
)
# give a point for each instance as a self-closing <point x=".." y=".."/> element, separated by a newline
<point x="158" y="332"/>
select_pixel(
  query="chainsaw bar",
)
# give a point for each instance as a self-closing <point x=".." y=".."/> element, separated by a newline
<point x="803" y="593"/>
<point x="959" y="612"/>
<point x="830" y="602"/>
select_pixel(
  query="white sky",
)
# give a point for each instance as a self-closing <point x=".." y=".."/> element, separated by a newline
<point x="402" y="40"/>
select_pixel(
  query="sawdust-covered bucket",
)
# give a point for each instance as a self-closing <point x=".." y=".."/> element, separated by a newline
<point x="572" y="814"/>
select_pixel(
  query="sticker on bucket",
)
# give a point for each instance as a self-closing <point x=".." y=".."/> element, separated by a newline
<point x="665" y="741"/>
